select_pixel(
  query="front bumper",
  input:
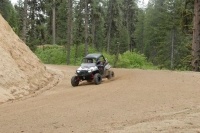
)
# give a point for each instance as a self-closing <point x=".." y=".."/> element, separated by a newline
<point x="84" y="73"/>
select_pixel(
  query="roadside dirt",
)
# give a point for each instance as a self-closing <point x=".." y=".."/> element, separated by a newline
<point x="135" y="101"/>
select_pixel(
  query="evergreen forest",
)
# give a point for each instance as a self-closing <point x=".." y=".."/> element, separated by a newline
<point x="163" y="33"/>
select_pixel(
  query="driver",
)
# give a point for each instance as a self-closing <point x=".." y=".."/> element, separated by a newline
<point x="90" y="61"/>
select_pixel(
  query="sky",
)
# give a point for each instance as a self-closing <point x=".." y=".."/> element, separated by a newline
<point x="143" y="3"/>
<point x="15" y="1"/>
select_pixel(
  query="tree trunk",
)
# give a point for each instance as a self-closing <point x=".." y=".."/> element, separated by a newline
<point x="109" y="25"/>
<point x="93" y="34"/>
<point x="76" y="54"/>
<point x="69" y="30"/>
<point x="116" y="55"/>
<point x="127" y="8"/>
<point x="86" y="27"/>
<point x="54" y="22"/>
<point x="24" y="21"/>
<point x="196" y="37"/>
<point x="93" y="26"/>
<point x="142" y="41"/>
<point x="172" y="48"/>
<point x="79" y="31"/>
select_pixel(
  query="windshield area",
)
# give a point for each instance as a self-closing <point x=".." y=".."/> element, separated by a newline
<point x="89" y="60"/>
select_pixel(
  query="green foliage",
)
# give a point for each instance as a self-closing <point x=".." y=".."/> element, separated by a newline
<point x="159" y="34"/>
<point x="51" y="54"/>
<point x="54" y="54"/>
<point x="115" y="26"/>
<point x="110" y="58"/>
<point x="124" y="40"/>
<point x="133" y="60"/>
<point x="80" y="54"/>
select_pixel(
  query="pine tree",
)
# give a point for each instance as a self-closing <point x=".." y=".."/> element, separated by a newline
<point x="130" y="11"/>
<point x="69" y="30"/>
<point x="117" y="33"/>
<point x="36" y="27"/>
<point x="24" y="28"/>
<point x="78" y="28"/>
<point x="96" y="24"/>
<point x="19" y="7"/>
<point x="139" y="31"/>
<point x="9" y="13"/>
<point x="160" y="37"/>
<point x="86" y="26"/>
<point x="54" y="22"/>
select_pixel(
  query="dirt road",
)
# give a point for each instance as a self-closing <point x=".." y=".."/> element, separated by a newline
<point x="136" y="101"/>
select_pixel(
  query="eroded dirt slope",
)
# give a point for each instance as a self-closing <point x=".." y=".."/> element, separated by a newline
<point x="136" y="101"/>
<point x="21" y="72"/>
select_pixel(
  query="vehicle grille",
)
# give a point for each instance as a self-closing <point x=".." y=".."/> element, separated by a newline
<point x="83" y="73"/>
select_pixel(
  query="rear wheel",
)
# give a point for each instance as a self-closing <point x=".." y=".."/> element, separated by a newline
<point x="74" y="81"/>
<point x="97" y="78"/>
<point x="110" y="75"/>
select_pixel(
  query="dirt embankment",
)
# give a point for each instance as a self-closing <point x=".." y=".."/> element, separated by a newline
<point x="21" y="72"/>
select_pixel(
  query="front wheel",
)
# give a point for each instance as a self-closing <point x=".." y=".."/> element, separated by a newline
<point x="97" y="78"/>
<point x="74" y="81"/>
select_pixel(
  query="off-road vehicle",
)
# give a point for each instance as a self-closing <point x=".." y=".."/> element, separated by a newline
<point x="94" y="67"/>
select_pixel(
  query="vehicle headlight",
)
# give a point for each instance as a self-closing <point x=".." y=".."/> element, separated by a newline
<point x="78" y="71"/>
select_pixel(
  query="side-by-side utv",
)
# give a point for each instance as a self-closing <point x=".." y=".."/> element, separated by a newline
<point x="94" y="67"/>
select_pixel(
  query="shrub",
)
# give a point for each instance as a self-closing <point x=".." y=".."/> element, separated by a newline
<point x="51" y="54"/>
<point x="133" y="60"/>
<point x="54" y="54"/>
